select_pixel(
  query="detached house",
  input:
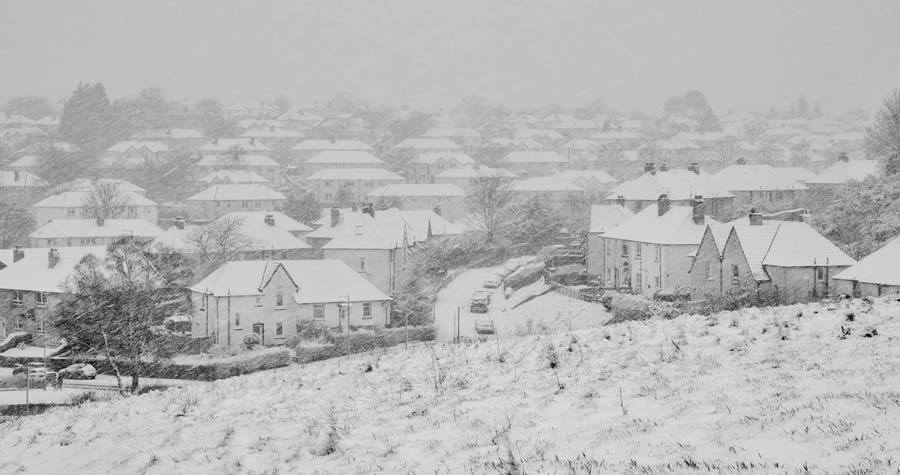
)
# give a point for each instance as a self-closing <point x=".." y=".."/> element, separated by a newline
<point x="604" y="218"/>
<point x="20" y="188"/>
<point x="183" y="140"/>
<point x="534" y="163"/>
<point x="875" y="275"/>
<point x="843" y="171"/>
<point x="222" y="146"/>
<point x="426" y="166"/>
<point x="274" y="137"/>
<point x="463" y="176"/>
<point x="75" y="205"/>
<point x="260" y="164"/>
<point x="593" y="182"/>
<point x="31" y="285"/>
<point x="133" y="154"/>
<point x="92" y="232"/>
<point x="350" y="185"/>
<point x="233" y="177"/>
<point x="223" y="199"/>
<point x="651" y="251"/>
<point x="782" y="260"/>
<point x="468" y="139"/>
<point x="307" y="149"/>
<point x="269" y="298"/>
<point x="341" y="159"/>
<point x="423" y="144"/>
<point x="445" y="200"/>
<point x="760" y="184"/>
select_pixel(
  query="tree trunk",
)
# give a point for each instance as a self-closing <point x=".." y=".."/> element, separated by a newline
<point x="110" y="360"/>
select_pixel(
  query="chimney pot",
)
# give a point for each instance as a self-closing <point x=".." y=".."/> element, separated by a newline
<point x="664" y="167"/>
<point x="178" y="223"/>
<point x="18" y="254"/>
<point x="101" y="221"/>
<point x="844" y="157"/>
<point x="699" y="210"/>
<point x="269" y="219"/>
<point x="741" y="161"/>
<point x="756" y="219"/>
<point x="650" y="167"/>
<point x="694" y="167"/>
<point x="662" y="204"/>
<point x="335" y="217"/>
<point x="437" y="210"/>
<point x="52" y="258"/>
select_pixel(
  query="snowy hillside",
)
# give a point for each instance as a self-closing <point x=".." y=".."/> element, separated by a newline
<point x="752" y="391"/>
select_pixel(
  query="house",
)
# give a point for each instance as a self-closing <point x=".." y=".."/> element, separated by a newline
<point x="425" y="166"/>
<point x="223" y="199"/>
<point x="230" y="177"/>
<point x="20" y="188"/>
<point x="468" y="139"/>
<point x="463" y="176"/>
<point x="307" y="149"/>
<point x="776" y="261"/>
<point x="377" y="243"/>
<point x="134" y="154"/>
<point x="651" y="250"/>
<point x="515" y="144"/>
<point x="31" y="284"/>
<point x="760" y="184"/>
<point x="15" y="138"/>
<point x="274" y="137"/>
<point x="604" y="218"/>
<point x="541" y="137"/>
<point x="875" y="275"/>
<point x="270" y="298"/>
<point x="299" y="120"/>
<point x="349" y="185"/>
<point x="25" y="164"/>
<point x="623" y="139"/>
<point x="534" y="163"/>
<point x="240" y="236"/>
<point x="341" y="159"/>
<point x="578" y="128"/>
<point x="549" y="188"/>
<point x="425" y="144"/>
<point x="257" y="163"/>
<point x="92" y="232"/>
<point x="223" y="146"/>
<point x="89" y="184"/>
<point x="581" y="151"/>
<point x="76" y="205"/>
<point x="445" y="200"/>
<point x="593" y="182"/>
<point x="843" y="171"/>
<point x="681" y="186"/>
<point x="177" y="140"/>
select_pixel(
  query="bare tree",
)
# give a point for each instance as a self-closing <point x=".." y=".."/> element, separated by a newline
<point x="105" y="201"/>
<point x="222" y="239"/>
<point x="883" y="137"/>
<point x="727" y="148"/>
<point x="490" y="196"/>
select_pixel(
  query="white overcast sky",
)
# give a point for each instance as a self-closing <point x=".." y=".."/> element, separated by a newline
<point x="744" y="55"/>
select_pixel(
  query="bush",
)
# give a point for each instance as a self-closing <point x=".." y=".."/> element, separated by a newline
<point x="309" y="330"/>
<point x="251" y="340"/>
<point x="13" y="340"/>
<point x="360" y="342"/>
<point x="627" y="307"/>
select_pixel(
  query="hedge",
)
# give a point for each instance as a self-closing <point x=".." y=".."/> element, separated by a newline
<point x="627" y="307"/>
<point x="202" y="370"/>
<point x="361" y="342"/>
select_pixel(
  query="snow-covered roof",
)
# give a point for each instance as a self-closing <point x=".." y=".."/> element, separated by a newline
<point x="386" y="230"/>
<point x="331" y="145"/>
<point x="880" y="267"/>
<point x="234" y="176"/>
<point x="164" y="134"/>
<point x="757" y="178"/>
<point x="450" y="132"/>
<point x="272" y="133"/>
<point x="254" y="234"/>
<point x="677" y="143"/>
<point x="678" y="184"/>
<point x="433" y="157"/>
<point x="223" y="145"/>
<point x="344" y="156"/>
<point x="549" y="134"/>
<point x="317" y="281"/>
<point x="545" y="184"/>
<point x="151" y="145"/>
<point x="355" y="174"/>
<point x="282" y="221"/>
<point x="617" y="135"/>
<point x="475" y="172"/>
<point x="88" y="184"/>
<point x="237" y="191"/>
<point x="843" y="172"/>
<point x="426" y="143"/>
<point x="797" y="244"/>
<point x="579" y="177"/>
<point x="534" y="156"/>
<point x="675" y="227"/>
<point x="582" y="144"/>
<point x="27" y="161"/>
<point x="78" y="228"/>
<point x="525" y="143"/>
<point x="33" y="273"/>
<point x="77" y="199"/>
<point x="244" y="160"/>
<point x="11" y="178"/>
<point x="605" y="218"/>
<point x="409" y="189"/>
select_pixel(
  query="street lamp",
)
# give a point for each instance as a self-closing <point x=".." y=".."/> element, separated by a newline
<point x="346" y="305"/>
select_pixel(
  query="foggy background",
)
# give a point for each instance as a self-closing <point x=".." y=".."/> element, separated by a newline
<point x="745" y="56"/>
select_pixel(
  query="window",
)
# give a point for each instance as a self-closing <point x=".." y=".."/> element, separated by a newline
<point x="19" y="323"/>
<point x="244" y="204"/>
<point x="709" y="271"/>
<point x="820" y="273"/>
<point x="328" y="196"/>
<point x="40" y="326"/>
<point x="279" y="329"/>
<point x="735" y="274"/>
<point x="624" y="249"/>
<point x="637" y="250"/>
<point x="658" y="254"/>
<point x="319" y="311"/>
<point x="259" y="301"/>
<point x="258" y="204"/>
<point x="70" y="212"/>
<point x="40" y="299"/>
<point x="367" y="310"/>
<point x="362" y="264"/>
<point x="237" y="319"/>
<point x="279" y="300"/>
<point x="17" y="298"/>
<point x="656" y="282"/>
<point x="284" y="255"/>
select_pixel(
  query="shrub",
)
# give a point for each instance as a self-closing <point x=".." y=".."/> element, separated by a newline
<point x="360" y="342"/>
<point x="627" y="307"/>
<point x="252" y="340"/>
<point x="309" y="330"/>
<point x="13" y="340"/>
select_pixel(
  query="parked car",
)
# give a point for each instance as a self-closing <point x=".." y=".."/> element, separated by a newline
<point x="79" y="371"/>
<point x="479" y="303"/>
<point x="493" y="282"/>
<point x="484" y="326"/>
<point x="482" y="295"/>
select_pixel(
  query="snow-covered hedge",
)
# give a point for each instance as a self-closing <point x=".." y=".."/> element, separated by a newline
<point x="360" y="342"/>
<point x="13" y="339"/>
<point x="627" y="307"/>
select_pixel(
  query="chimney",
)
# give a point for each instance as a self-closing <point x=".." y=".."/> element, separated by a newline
<point x="650" y="167"/>
<point x="355" y="208"/>
<point x="370" y="209"/>
<point x="756" y="219"/>
<point x="437" y="210"/>
<point x="335" y="217"/>
<point x="662" y="204"/>
<point x="806" y="217"/>
<point x="16" y="175"/>
<point x="18" y="254"/>
<point x="178" y="223"/>
<point x="663" y="167"/>
<point x="699" y="208"/>
<point x="252" y="140"/>
<point x="620" y="200"/>
<point x="844" y="157"/>
<point x="741" y="161"/>
<point x="269" y="219"/>
<point x="52" y="258"/>
<point x="694" y="167"/>
<point x="101" y="222"/>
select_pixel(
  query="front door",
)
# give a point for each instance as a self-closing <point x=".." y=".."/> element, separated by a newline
<point x="260" y="329"/>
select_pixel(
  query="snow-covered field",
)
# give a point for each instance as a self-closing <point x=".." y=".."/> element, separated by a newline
<point x="756" y="391"/>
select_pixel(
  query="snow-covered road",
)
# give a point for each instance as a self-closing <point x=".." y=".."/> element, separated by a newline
<point x="457" y="295"/>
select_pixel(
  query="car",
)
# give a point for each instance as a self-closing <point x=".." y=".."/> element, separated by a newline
<point x="482" y="295"/>
<point x="484" y="326"/>
<point x="78" y="371"/>
<point x="493" y="282"/>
